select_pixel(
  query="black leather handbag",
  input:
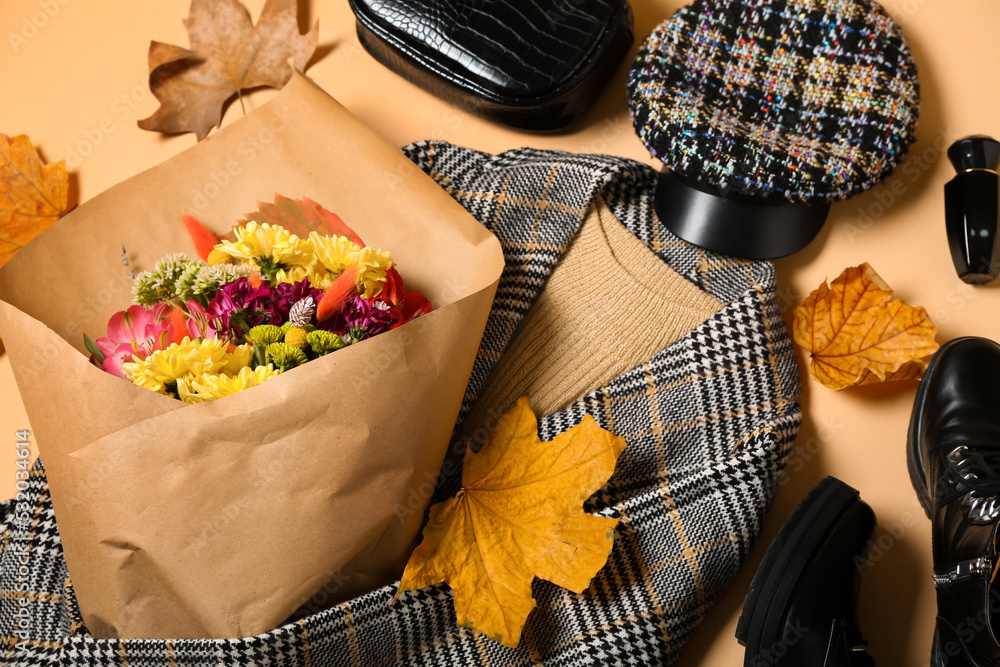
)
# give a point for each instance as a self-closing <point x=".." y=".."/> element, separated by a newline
<point x="529" y="64"/>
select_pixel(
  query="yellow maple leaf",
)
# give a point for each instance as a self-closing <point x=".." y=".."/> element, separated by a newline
<point x="32" y="194"/>
<point x="518" y="516"/>
<point x="857" y="334"/>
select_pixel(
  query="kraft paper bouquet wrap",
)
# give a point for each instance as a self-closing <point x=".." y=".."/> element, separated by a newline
<point x="221" y="519"/>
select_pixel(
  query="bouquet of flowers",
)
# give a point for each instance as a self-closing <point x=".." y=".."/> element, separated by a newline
<point x="317" y="393"/>
<point x="260" y="304"/>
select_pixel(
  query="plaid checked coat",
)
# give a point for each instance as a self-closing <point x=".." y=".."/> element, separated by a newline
<point x="709" y="421"/>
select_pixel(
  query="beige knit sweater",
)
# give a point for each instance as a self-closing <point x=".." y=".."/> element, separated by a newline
<point x="609" y="304"/>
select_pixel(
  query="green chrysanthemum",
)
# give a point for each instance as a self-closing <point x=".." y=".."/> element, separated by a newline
<point x="356" y="335"/>
<point x="265" y="334"/>
<point x="285" y="356"/>
<point x="323" y="342"/>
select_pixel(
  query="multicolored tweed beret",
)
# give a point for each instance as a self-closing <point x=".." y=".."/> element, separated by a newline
<point x="800" y="100"/>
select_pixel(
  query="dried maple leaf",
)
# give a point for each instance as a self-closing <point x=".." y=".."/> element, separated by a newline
<point x="856" y="334"/>
<point x="518" y="516"/>
<point x="227" y="54"/>
<point x="32" y="194"/>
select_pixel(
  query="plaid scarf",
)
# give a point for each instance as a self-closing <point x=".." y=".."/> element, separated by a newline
<point x="708" y="421"/>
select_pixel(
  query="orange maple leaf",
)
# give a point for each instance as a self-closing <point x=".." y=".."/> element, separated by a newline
<point x="302" y="216"/>
<point x="518" y="516"/>
<point x="857" y="334"/>
<point x="228" y="54"/>
<point x="32" y="194"/>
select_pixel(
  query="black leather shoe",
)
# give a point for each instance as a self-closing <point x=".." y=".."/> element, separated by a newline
<point x="954" y="459"/>
<point x="801" y="610"/>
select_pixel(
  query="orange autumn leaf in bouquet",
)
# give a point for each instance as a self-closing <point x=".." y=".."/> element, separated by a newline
<point x="519" y="515"/>
<point x="302" y="217"/>
<point x="298" y="216"/>
<point x="33" y="195"/>
<point x="858" y="334"/>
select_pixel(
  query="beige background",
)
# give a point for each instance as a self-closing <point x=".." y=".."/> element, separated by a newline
<point x="75" y="80"/>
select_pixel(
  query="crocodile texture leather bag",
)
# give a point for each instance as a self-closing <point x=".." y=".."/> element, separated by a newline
<point x="534" y="65"/>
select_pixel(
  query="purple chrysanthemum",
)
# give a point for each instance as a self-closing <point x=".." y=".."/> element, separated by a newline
<point x="363" y="319"/>
<point x="239" y="306"/>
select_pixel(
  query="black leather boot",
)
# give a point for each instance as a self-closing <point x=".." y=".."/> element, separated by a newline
<point x="954" y="459"/>
<point x="801" y="608"/>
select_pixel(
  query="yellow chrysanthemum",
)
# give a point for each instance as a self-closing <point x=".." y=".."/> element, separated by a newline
<point x="265" y="241"/>
<point x="213" y="386"/>
<point x="335" y="253"/>
<point x="185" y="392"/>
<point x="372" y="265"/>
<point x="238" y="359"/>
<point x="320" y="277"/>
<point x="165" y="367"/>
<point x="317" y="274"/>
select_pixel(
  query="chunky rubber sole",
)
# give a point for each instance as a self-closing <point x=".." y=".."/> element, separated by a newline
<point x="914" y="459"/>
<point x="948" y="649"/>
<point x="763" y="619"/>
